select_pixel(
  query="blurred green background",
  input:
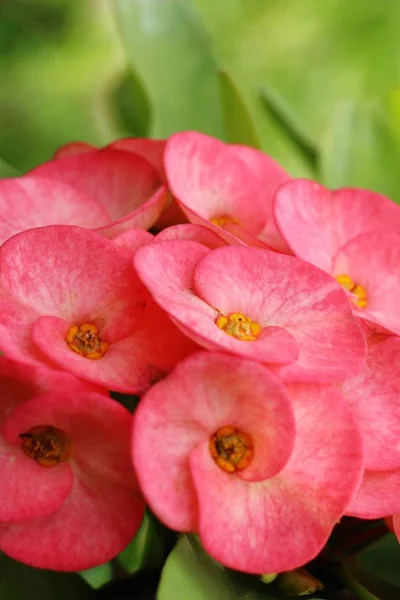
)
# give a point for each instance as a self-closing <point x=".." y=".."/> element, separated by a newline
<point x="320" y="79"/>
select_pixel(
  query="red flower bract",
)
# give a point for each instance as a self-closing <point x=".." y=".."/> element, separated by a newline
<point x="107" y="190"/>
<point x="71" y="298"/>
<point x="261" y="471"/>
<point x="71" y="499"/>
<point x="227" y="188"/>
<point x="297" y="318"/>
<point x="352" y="234"/>
<point x="152" y="151"/>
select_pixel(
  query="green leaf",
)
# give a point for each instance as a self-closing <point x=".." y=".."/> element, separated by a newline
<point x="98" y="576"/>
<point x="363" y="586"/>
<point x="131" y="105"/>
<point x="190" y="573"/>
<point x="149" y="547"/>
<point x="363" y="582"/>
<point x="284" y="117"/>
<point x="6" y="170"/>
<point x="239" y="125"/>
<point x="18" y="582"/>
<point x="383" y="559"/>
<point x="170" y="52"/>
<point x="361" y="150"/>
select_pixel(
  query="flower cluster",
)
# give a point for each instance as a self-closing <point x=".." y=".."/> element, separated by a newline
<point x="257" y="323"/>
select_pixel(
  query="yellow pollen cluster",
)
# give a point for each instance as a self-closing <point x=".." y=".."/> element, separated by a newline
<point x="231" y="449"/>
<point x="239" y="326"/>
<point x="47" y="445"/>
<point x="224" y="220"/>
<point x="84" y="340"/>
<point x="359" y="295"/>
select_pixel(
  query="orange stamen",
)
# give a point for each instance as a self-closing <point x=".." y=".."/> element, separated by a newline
<point x="47" y="445"/>
<point x="231" y="449"/>
<point x="85" y="341"/>
<point x="239" y="326"/>
<point x="357" y="291"/>
<point x="224" y="220"/>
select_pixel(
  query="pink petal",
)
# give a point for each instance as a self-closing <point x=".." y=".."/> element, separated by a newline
<point x="233" y="238"/>
<point x="374" y="397"/>
<point x="91" y="527"/>
<point x="205" y="392"/>
<point x="151" y="150"/>
<point x="142" y="217"/>
<point x="31" y="490"/>
<point x="167" y="269"/>
<point x="98" y="426"/>
<point x="213" y="179"/>
<point x="316" y="222"/>
<point x="33" y="201"/>
<point x="283" y="522"/>
<point x="104" y="509"/>
<point x="70" y="273"/>
<point x="16" y="331"/>
<point x="282" y="291"/>
<point x="146" y="212"/>
<point x="373" y="261"/>
<point x="19" y="382"/>
<point x="117" y="181"/>
<point x="123" y="368"/>
<point x="159" y="341"/>
<point x="132" y="240"/>
<point x="73" y="148"/>
<point x="378" y="495"/>
<point x="195" y="233"/>
<point x="243" y="238"/>
<point x="171" y="215"/>
<point x="132" y="362"/>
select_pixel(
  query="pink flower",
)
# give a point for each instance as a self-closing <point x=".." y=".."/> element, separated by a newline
<point x="349" y="233"/>
<point x="71" y="500"/>
<point x="70" y="298"/>
<point x="222" y="448"/>
<point x="153" y="152"/>
<point x="373" y="396"/>
<point x="272" y="308"/>
<point x="107" y="190"/>
<point x="227" y="188"/>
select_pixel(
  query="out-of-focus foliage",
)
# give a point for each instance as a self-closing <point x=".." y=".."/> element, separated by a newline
<point x="168" y="47"/>
<point x="62" y="60"/>
<point x="361" y="149"/>
<point x="58" y="58"/>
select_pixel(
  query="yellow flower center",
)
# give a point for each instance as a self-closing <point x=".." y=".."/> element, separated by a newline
<point x="224" y="220"/>
<point x="47" y="445"/>
<point x="231" y="449"/>
<point x="239" y="326"/>
<point x="84" y="340"/>
<point x="358" y="293"/>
